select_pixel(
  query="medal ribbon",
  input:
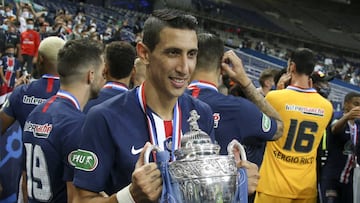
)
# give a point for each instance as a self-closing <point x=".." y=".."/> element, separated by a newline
<point x="50" y="76"/>
<point x="176" y="122"/>
<point x="69" y="96"/>
<point x="116" y="86"/>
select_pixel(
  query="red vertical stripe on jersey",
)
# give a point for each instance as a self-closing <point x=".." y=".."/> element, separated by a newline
<point x="8" y="76"/>
<point x="52" y="99"/>
<point x="50" y="85"/>
<point x="10" y="62"/>
<point x="168" y="128"/>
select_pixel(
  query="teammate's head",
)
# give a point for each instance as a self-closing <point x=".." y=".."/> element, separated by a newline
<point x="351" y="100"/>
<point x="303" y="60"/>
<point x="48" y="55"/>
<point x="140" y="72"/>
<point x="266" y="78"/>
<point x="211" y="50"/>
<point x="321" y="83"/>
<point x="165" y="18"/>
<point x="119" y="59"/>
<point x="9" y="49"/>
<point x="82" y="61"/>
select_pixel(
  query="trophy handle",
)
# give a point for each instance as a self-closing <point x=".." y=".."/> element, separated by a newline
<point x="235" y="144"/>
<point x="148" y="151"/>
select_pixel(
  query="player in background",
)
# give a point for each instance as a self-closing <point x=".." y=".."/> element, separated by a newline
<point x="119" y="65"/>
<point x="52" y="130"/>
<point x="288" y="171"/>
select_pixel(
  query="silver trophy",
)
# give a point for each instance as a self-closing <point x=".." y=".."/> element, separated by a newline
<point x="200" y="174"/>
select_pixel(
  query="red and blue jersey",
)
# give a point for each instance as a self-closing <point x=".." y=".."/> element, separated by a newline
<point x="115" y="132"/>
<point x="10" y="66"/>
<point x="109" y="90"/>
<point x="234" y="117"/>
<point x="26" y="97"/>
<point x="51" y="135"/>
<point x="342" y="148"/>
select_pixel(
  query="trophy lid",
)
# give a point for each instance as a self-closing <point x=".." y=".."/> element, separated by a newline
<point x="196" y="142"/>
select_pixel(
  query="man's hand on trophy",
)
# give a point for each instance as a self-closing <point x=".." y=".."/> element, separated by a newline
<point x="146" y="183"/>
<point x="253" y="175"/>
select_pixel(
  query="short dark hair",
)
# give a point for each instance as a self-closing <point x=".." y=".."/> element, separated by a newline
<point x="210" y="51"/>
<point x="348" y="97"/>
<point x="29" y="19"/>
<point x="9" y="46"/>
<point x="165" y="18"/>
<point x="304" y="59"/>
<point x="78" y="56"/>
<point x="120" y="57"/>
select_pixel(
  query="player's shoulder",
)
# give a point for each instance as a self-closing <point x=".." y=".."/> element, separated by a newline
<point x="121" y="102"/>
<point x="188" y="103"/>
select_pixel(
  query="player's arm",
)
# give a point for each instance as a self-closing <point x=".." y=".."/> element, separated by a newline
<point x="24" y="186"/>
<point x="2" y="75"/>
<point x="6" y="121"/>
<point x="339" y="125"/>
<point x="70" y="189"/>
<point x="146" y="186"/>
<point x="238" y="74"/>
<point x="17" y="74"/>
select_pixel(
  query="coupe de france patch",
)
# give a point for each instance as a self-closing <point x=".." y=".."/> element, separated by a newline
<point x="83" y="160"/>
<point x="266" y="123"/>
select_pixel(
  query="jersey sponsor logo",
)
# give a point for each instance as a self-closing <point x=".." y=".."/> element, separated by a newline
<point x="216" y="117"/>
<point x="266" y="123"/>
<point x="136" y="151"/>
<point x="305" y="110"/>
<point x="32" y="100"/>
<point x="38" y="130"/>
<point x="301" y="160"/>
<point x="83" y="160"/>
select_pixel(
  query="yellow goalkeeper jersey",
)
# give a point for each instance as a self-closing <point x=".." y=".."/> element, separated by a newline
<point x="289" y="166"/>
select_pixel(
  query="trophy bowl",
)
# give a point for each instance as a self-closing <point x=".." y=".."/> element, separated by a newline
<point x="204" y="179"/>
<point x="199" y="174"/>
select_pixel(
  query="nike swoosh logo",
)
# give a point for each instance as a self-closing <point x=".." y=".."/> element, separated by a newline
<point x="136" y="151"/>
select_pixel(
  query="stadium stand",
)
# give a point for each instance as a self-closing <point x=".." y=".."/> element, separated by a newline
<point x="279" y="25"/>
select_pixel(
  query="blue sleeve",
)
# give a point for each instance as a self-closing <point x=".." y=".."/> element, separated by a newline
<point x="253" y="122"/>
<point x="12" y="102"/>
<point x="95" y="142"/>
<point x="70" y="143"/>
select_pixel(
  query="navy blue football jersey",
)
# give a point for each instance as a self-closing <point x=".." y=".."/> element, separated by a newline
<point x="109" y="90"/>
<point x="51" y="136"/>
<point x="19" y="105"/>
<point x="10" y="163"/>
<point x="26" y="97"/>
<point x="234" y="117"/>
<point x="114" y="134"/>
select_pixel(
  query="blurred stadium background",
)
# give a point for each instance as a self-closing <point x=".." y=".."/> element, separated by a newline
<point x="263" y="32"/>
